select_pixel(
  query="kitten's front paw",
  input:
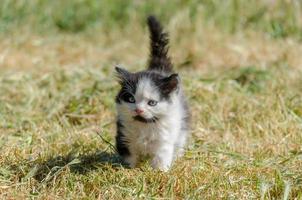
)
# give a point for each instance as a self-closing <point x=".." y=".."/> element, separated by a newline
<point x="180" y="153"/>
<point x="160" y="165"/>
<point x="131" y="161"/>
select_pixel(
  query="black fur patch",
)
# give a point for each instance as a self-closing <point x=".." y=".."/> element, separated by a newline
<point x="121" y="145"/>
<point x="144" y="120"/>
<point x="159" y="59"/>
<point x="128" y="82"/>
<point x="167" y="85"/>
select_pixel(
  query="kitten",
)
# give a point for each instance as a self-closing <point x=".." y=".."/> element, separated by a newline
<point x="152" y="114"/>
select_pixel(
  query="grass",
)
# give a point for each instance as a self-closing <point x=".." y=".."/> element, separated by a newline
<point x="241" y="67"/>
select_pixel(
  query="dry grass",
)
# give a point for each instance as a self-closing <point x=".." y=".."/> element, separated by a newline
<point x="57" y="92"/>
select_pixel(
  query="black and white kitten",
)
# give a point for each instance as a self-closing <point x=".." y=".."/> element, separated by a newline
<point x="152" y="114"/>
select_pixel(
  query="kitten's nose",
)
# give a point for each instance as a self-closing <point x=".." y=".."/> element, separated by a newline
<point x="138" y="111"/>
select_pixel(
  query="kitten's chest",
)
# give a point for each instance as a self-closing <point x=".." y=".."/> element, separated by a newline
<point x="147" y="138"/>
<point x="150" y="135"/>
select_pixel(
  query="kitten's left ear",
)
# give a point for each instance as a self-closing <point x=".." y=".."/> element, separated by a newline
<point x="122" y="74"/>
<point x="170" y="83"/>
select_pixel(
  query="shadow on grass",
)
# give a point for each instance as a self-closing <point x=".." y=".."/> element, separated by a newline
<point x="44" y="172"/>
<point x="82" y="164"/>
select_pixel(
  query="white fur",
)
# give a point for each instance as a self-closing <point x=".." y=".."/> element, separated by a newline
<point x="163" y="140"/>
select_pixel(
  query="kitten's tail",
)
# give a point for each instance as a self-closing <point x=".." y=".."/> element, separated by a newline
<point x="159" y="59"/>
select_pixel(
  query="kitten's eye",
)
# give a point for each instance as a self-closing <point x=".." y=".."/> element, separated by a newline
<point x="152" y="103"/>
<point x="129" y="98"/>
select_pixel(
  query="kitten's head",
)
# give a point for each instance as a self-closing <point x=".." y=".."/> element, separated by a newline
<point x="145" y="96"/>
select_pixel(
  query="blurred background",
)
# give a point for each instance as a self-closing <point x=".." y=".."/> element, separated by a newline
<point x="46" y="34"/>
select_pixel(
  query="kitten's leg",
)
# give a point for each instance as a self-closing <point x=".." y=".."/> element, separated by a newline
<point x="163" y="157"/>
<point x="131" y="159"/>
<point x="180" y="145"/>
<point x="124" y="149"/>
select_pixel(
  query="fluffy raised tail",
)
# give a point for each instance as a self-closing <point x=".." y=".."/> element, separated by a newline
<point x="159" y="59"/>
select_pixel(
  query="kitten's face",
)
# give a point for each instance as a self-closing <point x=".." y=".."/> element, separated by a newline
<point x="145" y="96"/>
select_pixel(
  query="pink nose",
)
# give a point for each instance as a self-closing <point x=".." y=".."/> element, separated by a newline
<point x="138" y="111"/>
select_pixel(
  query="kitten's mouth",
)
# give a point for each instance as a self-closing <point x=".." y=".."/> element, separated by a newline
<point x="144" y="120"/>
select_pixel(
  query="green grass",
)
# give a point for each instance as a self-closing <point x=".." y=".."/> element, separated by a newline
<point x="240" y="63"/>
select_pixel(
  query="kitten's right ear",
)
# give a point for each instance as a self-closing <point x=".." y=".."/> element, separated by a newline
<point x="122" y="74"/>
<point x="170" y="83"/>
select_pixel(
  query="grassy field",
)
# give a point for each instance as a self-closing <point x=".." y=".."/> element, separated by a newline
<point x="241" y="66"/>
